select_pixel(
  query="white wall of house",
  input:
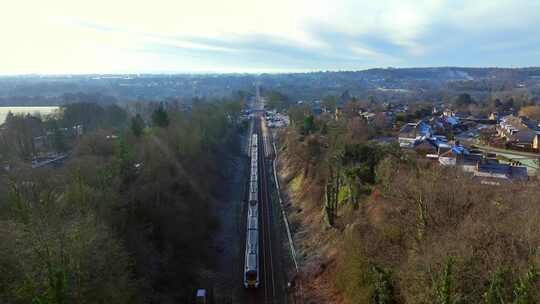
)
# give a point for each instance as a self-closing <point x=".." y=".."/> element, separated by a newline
<point x="406" y="142"/>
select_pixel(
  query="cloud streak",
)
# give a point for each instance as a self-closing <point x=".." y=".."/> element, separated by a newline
<point x="61" y="36"/>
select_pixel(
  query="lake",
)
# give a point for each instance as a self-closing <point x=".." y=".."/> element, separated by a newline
<point x="32" y="110"/>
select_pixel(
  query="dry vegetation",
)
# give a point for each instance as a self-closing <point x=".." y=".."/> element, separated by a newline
<point x="419" y="234"/>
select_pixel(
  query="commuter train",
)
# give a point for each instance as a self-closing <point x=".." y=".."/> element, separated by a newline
<point x="251" y="270"/>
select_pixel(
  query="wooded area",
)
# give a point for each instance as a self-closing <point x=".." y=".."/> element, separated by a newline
<point x="401" y="229"/>
<point x="127" y="219"/>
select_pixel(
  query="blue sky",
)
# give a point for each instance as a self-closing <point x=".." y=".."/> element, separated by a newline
<point x="120" y="36"/>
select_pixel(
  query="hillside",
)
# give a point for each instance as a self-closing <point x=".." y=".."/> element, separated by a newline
<point x="376" y="224"/>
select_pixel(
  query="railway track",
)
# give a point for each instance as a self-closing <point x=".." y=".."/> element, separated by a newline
<point x="271" y="288"/>
<point x="269" y="283"/>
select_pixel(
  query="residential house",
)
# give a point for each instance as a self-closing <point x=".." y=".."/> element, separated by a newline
<point x="494" y="172"/>
<point x="440" y="125"/>
<point x="412" y="134"/>
<point x="456" y="155"/>
<point x="488" y="170"/>
<point x="520" y="132"/>
<point x="441" y="143"/>
<point x="494" y="116"/>
<point x="366" y="115"/>
<point x="448" y="113"/>
<point x="526" y="139"/>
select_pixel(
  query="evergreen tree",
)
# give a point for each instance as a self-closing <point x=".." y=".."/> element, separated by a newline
<point x="137" y="125"/>
<point x="160" y="118"/>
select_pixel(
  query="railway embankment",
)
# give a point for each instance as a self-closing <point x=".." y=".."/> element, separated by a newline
<point x="381" y="225"/>
<point x="316" y="244"/>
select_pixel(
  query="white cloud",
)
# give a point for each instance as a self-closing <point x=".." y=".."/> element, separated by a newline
<point x="105" y="35"/>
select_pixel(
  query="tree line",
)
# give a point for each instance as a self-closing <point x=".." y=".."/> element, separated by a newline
<point x="127" y="219"/>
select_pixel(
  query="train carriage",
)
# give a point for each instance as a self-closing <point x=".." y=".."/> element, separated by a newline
<point x="251" y="271"/>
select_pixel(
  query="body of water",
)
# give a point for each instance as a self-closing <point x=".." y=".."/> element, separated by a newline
<point x="24" y="110"/>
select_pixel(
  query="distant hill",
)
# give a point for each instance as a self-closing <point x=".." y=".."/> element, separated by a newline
<point x="388" y="83"/>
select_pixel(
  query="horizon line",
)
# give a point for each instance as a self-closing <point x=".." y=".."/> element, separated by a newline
<point x="262" y="72"/>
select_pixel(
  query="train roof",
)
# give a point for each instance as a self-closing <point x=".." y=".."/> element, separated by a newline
<point x="251" y="263"/>
<point x="252" y="212"/>
<point x="253" y="223"/>
<point x="253" y="236"/>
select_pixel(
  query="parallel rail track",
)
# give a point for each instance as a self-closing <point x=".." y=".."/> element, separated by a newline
<point x="269" y="283"/>
<point x="270" y="291"/>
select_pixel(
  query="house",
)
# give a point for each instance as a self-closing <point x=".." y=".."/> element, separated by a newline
<point x="488" y="170"/>
<point x="441" y="125"/>
<point x="452" y="121"/>
<point x="368" y="116"/>
<point x="448" y="113"/>
<point x="520" y="132"/>
<point x="491" y="171"/>
<point x="456" y="155"/>
<point x="524" y="139"/>
<point x="412" y="134"/>
<point x="511" y="124"/>
<point x="441" y="143"/>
